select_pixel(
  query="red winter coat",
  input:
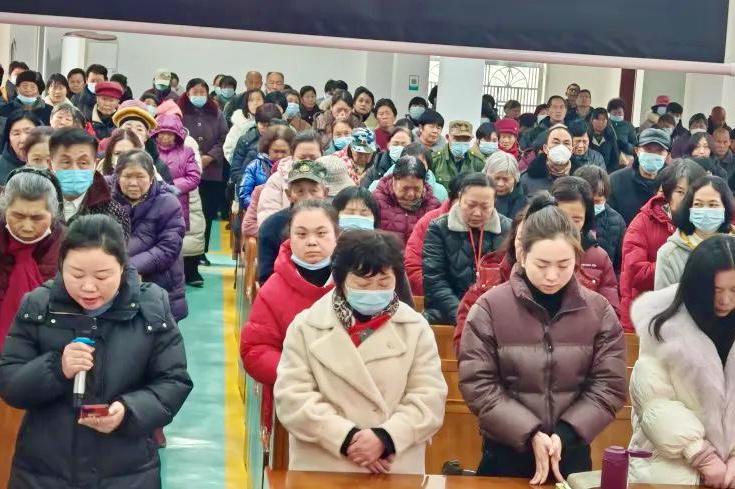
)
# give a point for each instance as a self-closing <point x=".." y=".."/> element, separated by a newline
<point x="395" y="218"/>
<point x="647" y="232"/>
<point x="285" y="294"/>
<point x="414" y="254"/>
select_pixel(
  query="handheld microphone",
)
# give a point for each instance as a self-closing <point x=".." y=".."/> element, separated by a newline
<point x="80" y="379"/>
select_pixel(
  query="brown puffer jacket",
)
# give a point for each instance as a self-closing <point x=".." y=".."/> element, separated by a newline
<point x="521" y="372"/>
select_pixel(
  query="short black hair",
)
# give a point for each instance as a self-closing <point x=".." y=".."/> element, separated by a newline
<point x="329" y="86"/>
<point x="679" y="168"/>
<point x="95" y="231"/>
<point x="308" y="136"/>
<point x="555" y="97"/>
<point x="418" y="101"/>
<point x="615" y="104"/>
<point x="585" y="90"/>
<point x="267" y="112"/>
<point x="229" y="81"/>
<point x="150" y="95"/>
<point x="59" y="79"/>
<point x="14" y="65"/>
<point x="97" y="69"/>
<point x="197" y="81"/>
<point x="418" y="150"/>
<point x="314" y="204"/>
<point x="430" y="116"/>
<point x="578" y="128"/>
<point x="366" y="253"/>
<point x="340" y="85"/>
<point x="386" y="102"/>
<point x="14" y="117"/>
<point x="597" y="178"/>
<point x="277" y="98"/>
<point x="68" y="136"/>
<point x="476" y="179"/>
<point x="541" y="107"/>
<point x="576" y="189"/>
<point x="340" y="95"/>
<point x="512" y="104"/>
<point x="409" y="166"/>
<point x="698" y="117"/>
<point x="306" y="89"/>
<point x="121" y="79"/>
<point x="598" y="112"/>
<point x="456" y="184"/>
<point x="527" y="120"/>
<point x="363" y="91"/>
<point x="484" y="130"/>
<point x="348" y="194"/>
<point x="174" y="76"/>
<point x="675" y="108"/>
<point x="76" y="71"/>
<point x="681" y="216"/>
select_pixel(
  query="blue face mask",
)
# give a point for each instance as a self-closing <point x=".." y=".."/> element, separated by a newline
<point x="616" y="118"/>
<point x="160" y="87"/>
<point x="91" y="87"/>
<point x="599" y="209"/>
<point x="198" y="101"/>
<point x="459" y="149"/>
<point x="347" y="221"/>
<point x="312" y="266"/>
<point x="152" y="110"/>
<point x="217" y="91"/>
<point x="340" y="143"/>
<point x="395" y="152"/>
<point x="416" y="111"/>
<point x="74" y="182"/>
<point x="488" y="147"/>
<point x="369" y="302"/>
<point x="292" y="110"/>
<point x="651" y="162"/>
<point x="707" y="220"/>
<point x="227" y="93"/>
<point x="26" y="100"/>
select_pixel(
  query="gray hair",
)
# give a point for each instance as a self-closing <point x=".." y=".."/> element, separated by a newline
<point x="76" y="114"/>
<point x="30" y="186"/>
<point x="135" y="157"/>
<point x="500" y="161"/>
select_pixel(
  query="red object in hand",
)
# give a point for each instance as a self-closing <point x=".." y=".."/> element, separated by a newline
<point x="95" y="411"/>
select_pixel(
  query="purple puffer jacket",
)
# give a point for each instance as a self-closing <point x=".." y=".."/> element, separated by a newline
<point x="180" y="160"/>
<point x="156" y="237"/>
<point x="395" y="218"/>
<point x="209" y="128"/>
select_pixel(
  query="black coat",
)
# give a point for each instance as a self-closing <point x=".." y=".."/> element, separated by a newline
<point x="449" y="264"/>
<point x="511" y="204"/>
<point x="608" y="149"/>
<point x="379" y="166"/>
<point x="537" y="176"/>
<point x="630" y="191"/>
<point x="610" y="229"/>
<point x="40" y="109"/>
<point x="139" y="360"/>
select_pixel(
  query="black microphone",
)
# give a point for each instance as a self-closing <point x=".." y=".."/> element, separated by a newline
<point x="80" y="379"/>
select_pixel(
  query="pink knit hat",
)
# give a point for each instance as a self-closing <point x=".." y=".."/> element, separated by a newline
<point x="169" y="107"/>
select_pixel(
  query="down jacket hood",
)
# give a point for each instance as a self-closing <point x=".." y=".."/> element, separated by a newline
<point x="170" y="123"/>
<point x="692" y="358"/>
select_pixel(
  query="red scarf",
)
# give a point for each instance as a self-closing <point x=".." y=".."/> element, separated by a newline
<point x="514" y="150"/>
<point x="24" y="277"/>
<point x="359" y="332"/>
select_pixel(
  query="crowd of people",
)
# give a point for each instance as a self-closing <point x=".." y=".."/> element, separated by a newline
<point x="535" y="234"/>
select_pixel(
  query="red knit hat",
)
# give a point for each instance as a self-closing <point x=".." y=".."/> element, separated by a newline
<point x="507" y="126"/>
<point x="109" y="89"/>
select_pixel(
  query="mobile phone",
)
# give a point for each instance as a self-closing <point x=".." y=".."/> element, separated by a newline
<point x="94" y="411"/>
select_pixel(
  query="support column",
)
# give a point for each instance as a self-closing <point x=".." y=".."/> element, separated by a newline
<point x="460" y="90"/>
<point x="378" y="74"/>
<point x="404" y="67"/>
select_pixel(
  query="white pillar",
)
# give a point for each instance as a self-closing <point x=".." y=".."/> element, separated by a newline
<point x="460" y="90"/>
<point x="406" y="66"/>
<point x="379" y="74"/>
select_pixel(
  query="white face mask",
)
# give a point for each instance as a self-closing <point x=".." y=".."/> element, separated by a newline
<point x="34" y="241"/>
<point x="697" y="130"/>
<point x="560" y="154"/>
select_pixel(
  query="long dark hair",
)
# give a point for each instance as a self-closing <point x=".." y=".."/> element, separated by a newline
<point x="696" y="290"/>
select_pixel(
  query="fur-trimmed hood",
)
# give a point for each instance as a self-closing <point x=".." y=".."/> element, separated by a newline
<point x="691" y="357"/>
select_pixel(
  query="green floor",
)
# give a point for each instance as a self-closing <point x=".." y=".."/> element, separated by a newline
<point x="195" y="455"/>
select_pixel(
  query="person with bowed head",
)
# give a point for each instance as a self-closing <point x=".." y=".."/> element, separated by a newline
<point x="707" y="209"/>
<point x="17" y="128"/>
<point x="649" y="230"/>
<point x="136" y="366"/>
<point x="30" y="238"/>
<point x="542" y="358"/>
<point x="301" y="272"/>
<point x="359" y="384"/>
<point x="157" y="226"/>
<point x="502" y="167"/>
<point x="681" y="388"/>
<point x="357" y="209"/>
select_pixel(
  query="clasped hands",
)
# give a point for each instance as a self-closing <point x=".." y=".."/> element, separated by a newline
<point x="547" y="452"/>
<point x="366" y="449"/>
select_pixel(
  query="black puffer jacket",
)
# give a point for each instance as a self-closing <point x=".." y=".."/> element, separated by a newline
<point x="380" y="164"/>
<point x="139" y="360"/>
<point x="449" y="263"/>
<point x="608" y="148"/>
<point x="537" y="177"/>
<point x="610" y="229"/>
<point x="511" y="204"/>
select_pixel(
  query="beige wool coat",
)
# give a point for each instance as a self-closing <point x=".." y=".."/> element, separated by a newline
<point x="326" y="386"/>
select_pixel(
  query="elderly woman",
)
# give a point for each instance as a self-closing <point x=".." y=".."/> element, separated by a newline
<point x="137" y="368"/>
<point x="30" y="237"/>
<point x="341" y="109"/>
<point x="67" y="115"/>
<point x="156" y="226"/>
<point x="57" y="90"/>
<point x="502" y="167"/>
<point x="359" y="384"/>
<point x="404" y="197"/>
<point x="17" y="127"/>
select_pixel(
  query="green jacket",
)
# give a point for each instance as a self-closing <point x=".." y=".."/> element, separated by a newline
<point x="445" y="167"/>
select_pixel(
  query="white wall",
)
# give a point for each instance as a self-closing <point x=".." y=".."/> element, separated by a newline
<point x="604" y="83"/>
<point x="669" y="83"/>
